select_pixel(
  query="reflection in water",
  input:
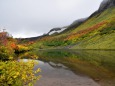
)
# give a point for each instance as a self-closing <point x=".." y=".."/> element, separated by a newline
<point x="57" y="65"/>
<point x="97" y="64"/>
<point x="59" y="76"/>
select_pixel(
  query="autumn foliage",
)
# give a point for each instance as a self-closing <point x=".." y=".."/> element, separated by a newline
<point x="86" y="31"/>
<point x="9" y="46"/>
<point x="10" y="69"/>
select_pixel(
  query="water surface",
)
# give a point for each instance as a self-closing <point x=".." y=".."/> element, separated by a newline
<point x="53" y="75"/>
<point x="75" y="67"/>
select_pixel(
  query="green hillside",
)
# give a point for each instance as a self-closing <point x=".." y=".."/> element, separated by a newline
<point x="97" y="32"/>
<point x="103" y="35"/>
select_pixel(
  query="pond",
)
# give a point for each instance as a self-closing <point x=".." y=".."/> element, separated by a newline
<point x="75" y="67"/>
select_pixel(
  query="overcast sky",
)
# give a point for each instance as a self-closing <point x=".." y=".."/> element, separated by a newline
<point x="29" y="18"/>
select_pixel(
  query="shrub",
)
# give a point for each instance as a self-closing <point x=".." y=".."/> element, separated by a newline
<point x="14" y="73"/>
<point x="21" y="49"/>
<point x="6" y="53"/>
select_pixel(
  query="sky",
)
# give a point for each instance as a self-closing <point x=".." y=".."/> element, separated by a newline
<point x="30" y="18"/>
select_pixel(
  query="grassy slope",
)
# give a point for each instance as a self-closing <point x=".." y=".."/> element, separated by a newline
<point x="107" y="38"/>
<point x="97" y="32"/>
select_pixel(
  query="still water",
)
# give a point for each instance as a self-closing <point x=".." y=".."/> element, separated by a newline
<point x="75" y="67"/>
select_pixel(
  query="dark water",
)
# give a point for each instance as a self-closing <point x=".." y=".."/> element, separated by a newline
<point x="75" y="67"/>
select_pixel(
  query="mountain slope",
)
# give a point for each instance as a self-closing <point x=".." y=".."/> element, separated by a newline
<point x="95" y="32"/>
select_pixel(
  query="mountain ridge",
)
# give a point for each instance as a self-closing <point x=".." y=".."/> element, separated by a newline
<point x="103" y="6"/>
<point x="95" y="32"/>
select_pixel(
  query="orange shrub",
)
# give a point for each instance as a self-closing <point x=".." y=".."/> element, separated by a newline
<point x="87" y="30"/>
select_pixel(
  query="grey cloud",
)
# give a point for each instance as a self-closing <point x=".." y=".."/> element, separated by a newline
<point x="39" y="16"/>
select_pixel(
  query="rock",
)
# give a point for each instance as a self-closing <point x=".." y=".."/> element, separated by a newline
<point x="106" y="4"/>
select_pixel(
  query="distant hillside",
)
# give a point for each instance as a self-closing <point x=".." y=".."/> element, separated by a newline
<point x="75" y="24"/>
<point x="95" y="32"/>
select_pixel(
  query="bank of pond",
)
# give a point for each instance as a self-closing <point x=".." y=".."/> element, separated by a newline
<point x="60" y="68"/>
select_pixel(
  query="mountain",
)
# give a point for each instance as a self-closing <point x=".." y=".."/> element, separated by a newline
<point x="75" y="24"/>
<point x="106" y="4"/>
<point x="57" y="30"/>
<point x="103" y="6"/>
<point x="95" y="32"/>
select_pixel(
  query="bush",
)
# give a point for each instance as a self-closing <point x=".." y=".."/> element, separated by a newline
<point x="6" y="53"/>
<point x="21" y="49"/>
<point x="14" y="73"/>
